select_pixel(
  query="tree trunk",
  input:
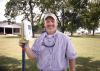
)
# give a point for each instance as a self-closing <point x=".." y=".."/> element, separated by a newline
<point x="62" y="29"/>
<point x="71" y="33"/>
<point x="93" y="32"/>
<point x="31" y="12"/>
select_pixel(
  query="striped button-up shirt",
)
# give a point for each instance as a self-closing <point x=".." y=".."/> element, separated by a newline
<point x="54" y="58"/>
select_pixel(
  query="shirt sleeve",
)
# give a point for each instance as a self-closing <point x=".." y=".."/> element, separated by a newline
<point x="70" y="50"/>
<point x="35" y="48"/>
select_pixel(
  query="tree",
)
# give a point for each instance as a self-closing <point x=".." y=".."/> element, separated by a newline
<point x="72" y="21"/>
<point x="72" y="15"/>
<point x="20" y="7"/>
<point x="95" y="15"/>
<point x="91" y="16"/>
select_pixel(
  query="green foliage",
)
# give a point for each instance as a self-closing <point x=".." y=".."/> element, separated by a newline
<point x="20" y="7"/>
<point x="72" y="17"/>
<point x="39" y="28"/>
<point x="91" y="16"/>
<point x="78" y="4"/>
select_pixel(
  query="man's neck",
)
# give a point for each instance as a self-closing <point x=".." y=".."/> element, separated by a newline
<point x="51" y="33"/>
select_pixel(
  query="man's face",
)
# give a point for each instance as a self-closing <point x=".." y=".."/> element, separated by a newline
<point x="50" y="25"/>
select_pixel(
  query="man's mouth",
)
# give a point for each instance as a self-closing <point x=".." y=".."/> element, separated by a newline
<point x="50" y="26"/>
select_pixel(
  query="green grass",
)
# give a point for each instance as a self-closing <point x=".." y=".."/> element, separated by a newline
<point x="87" y="47"/>
<point x="88" y="50"/>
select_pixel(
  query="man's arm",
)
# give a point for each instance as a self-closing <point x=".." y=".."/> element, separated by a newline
<point x="71" y="55"/>
<point x="30" y="53"/>
<point x="72" y="64"/>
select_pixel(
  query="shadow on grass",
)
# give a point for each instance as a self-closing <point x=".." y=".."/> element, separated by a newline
<point x="12" y="64"/>
<point x="87" y="64"/>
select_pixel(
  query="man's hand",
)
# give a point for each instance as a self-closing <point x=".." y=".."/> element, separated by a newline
<point x="23" y="43"/>
<point x="28" y="50"/>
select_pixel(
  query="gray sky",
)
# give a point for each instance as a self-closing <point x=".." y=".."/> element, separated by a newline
<point x="2" y="7"/>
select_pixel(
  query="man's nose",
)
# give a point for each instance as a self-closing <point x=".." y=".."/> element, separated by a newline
<point x="50" y="23"/>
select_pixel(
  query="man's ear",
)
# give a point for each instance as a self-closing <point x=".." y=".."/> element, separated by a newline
<point x="56" y="24"/>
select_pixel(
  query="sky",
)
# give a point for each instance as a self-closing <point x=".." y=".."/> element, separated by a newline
<point x="2" y="12"/>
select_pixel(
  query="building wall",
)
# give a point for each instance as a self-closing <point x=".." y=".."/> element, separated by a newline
<point x="10" y="31"/>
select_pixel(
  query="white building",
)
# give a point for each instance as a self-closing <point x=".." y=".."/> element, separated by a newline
<point x="12" y="28"/>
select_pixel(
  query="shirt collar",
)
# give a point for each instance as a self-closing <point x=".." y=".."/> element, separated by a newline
<point x="46" y="34"/>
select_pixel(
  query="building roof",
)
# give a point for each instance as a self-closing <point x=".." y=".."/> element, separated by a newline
<point x="6" y="25"/>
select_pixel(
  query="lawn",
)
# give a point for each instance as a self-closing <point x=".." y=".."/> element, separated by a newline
<point x="88" y="54"/>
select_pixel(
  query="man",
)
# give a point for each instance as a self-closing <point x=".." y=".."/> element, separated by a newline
<point x="52" y="50"/>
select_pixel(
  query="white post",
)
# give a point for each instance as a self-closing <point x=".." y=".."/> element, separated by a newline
<point x="4" y="31"/>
